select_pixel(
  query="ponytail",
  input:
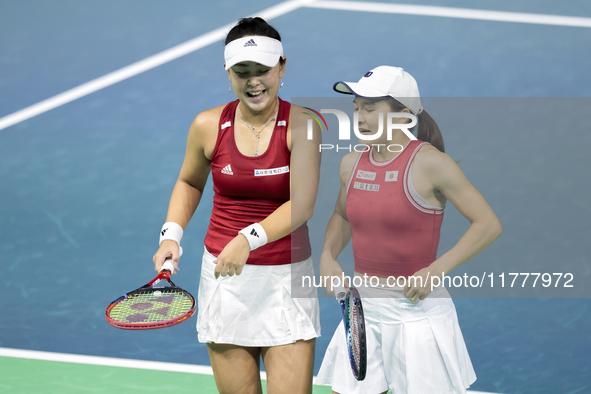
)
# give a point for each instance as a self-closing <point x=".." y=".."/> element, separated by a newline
<point x="429" y="131"/>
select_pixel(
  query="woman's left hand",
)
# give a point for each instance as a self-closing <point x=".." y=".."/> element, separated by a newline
<point x="418" y="287"/>
<point x="233" y="257"/>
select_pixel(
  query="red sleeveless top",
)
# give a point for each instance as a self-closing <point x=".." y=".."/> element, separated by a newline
<point x="393" y="234"/>
<point x="248" y="189"/>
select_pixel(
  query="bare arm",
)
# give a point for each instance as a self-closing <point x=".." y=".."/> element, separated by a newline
<point x="448" y="179"/>
<point x="304" y="177"/>
<point x="338" y="231"/>
<point x="189" y="186"/>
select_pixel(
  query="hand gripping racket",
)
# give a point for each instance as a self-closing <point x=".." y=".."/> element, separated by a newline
<point x="354" y="323"/>
<point x="152" y="307"/>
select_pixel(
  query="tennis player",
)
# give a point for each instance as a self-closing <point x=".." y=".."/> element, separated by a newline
<point x="391" y="205"/>
<point x="257" y="235"/>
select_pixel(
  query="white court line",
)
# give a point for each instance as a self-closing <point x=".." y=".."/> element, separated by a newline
<point x="109" y="361"/>
<point x="449" y="12"/>
<point x="105" y="361"/>
<point x="122" y="362"/>
<point x="270" y="13"/>
<point x="141" y="66"/>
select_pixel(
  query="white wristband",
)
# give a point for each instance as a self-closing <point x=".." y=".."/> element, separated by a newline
<point x="172" y="231"/>
<point x="255" y="235"/>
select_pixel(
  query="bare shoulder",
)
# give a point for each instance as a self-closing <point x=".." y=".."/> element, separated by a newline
<point x="207" y="120"/>
<point x="298" y="118"/>
<point x="297" y="112"/>
<point x="204" y="131"/>
<point x="439" y="168"/>
<point x="431" y="159"/>
<point x="298" y="129"/>
<point x="347" y="164"/>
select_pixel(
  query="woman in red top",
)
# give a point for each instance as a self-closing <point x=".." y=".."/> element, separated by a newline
<point x="257" y="236"/>
<point x="391" y="205"/>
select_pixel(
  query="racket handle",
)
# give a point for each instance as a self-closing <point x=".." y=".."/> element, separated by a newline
<point x="167" y="266"/>
<point x="339" y="292"/>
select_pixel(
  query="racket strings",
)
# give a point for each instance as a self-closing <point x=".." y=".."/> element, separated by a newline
<point x="353" y="335"/>
<point x="152" y="306"/>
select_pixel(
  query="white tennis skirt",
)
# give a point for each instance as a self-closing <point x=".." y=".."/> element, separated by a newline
<point x="256" y="308"/>
<point x="412" y="347"/>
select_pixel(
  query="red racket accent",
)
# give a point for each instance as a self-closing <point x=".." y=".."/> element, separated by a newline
<point x="150" y="307"/>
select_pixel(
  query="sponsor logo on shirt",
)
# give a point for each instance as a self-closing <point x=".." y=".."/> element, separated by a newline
<point x="391" y="176"/>
<point x="227" y="170"/>
<point x="271" y="171"/>
<point x="367" y="175"/>
<point x="366" y="186"/>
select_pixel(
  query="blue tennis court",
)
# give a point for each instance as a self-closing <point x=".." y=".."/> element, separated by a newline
<point x="85" y="179"/>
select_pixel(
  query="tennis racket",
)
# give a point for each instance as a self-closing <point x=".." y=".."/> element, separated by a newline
<point x="354" y="323"/>
<point x="152" y="307"/>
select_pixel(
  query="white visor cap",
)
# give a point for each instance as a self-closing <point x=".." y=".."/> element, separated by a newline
<point x="259" y="49"/>
<point x="385" y="81"/>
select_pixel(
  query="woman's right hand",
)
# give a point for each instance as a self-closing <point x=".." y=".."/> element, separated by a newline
<point x="169" y="249"/>
<point x="329" y="269"/>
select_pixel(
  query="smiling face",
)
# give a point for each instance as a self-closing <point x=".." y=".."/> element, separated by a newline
<point x="255" y="84"/>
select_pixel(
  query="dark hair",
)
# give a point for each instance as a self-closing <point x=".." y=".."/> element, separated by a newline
<point x="252" y="27"/>
<point x="428" y="130"/>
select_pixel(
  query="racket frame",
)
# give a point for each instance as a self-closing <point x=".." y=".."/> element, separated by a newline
<point x="351" y="296"/>
<point x="146" y="289"/>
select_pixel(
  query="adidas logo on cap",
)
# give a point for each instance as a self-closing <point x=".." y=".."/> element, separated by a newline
<point x="227" y="170"/>
<point x="250" y="43"/>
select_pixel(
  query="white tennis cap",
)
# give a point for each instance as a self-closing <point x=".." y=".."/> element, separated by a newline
<point x="385" y="81"/>
<point x="260" y="49"/>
